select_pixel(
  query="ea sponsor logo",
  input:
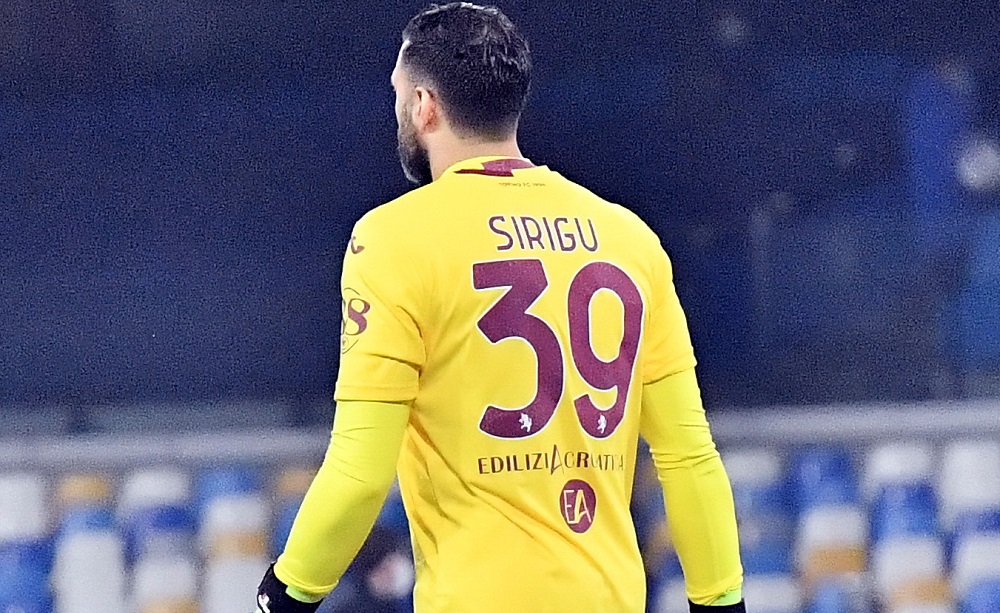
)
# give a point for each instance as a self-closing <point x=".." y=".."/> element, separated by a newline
<point x="578" y="504"/>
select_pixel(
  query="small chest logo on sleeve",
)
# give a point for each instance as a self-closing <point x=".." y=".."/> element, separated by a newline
<point x="354" y="321"/>
<point x="578" y="504"/>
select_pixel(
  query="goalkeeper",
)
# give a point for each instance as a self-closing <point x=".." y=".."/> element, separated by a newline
<point x="507" y="337"/>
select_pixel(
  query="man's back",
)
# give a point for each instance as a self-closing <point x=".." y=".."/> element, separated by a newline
<point x="521" y="315"/>
<point x="502" y="329"/>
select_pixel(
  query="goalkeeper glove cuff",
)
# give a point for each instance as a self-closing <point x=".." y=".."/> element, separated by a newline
<point x="273" y="597"/>
<point x="729" y="608"/>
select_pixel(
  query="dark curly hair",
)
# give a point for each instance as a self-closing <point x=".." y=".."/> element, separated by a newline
<point x="475" y="60"/>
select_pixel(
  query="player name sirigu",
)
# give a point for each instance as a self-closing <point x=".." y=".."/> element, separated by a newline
<point x="530" y="233"/>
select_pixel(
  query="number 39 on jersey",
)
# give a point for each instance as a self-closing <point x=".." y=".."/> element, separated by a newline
<point x="509" y="318"/>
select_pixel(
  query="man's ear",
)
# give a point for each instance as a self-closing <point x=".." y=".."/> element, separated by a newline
<point x="426" y="111"/>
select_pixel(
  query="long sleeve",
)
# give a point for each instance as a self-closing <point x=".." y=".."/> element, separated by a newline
<point x="697" y="493"/>
<point x="344" y="499"/>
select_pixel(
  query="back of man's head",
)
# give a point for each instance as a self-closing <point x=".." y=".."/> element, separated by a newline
<point x="475" y="60"/>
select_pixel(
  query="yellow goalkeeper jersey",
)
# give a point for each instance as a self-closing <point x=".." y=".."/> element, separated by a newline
<point x="520" y="315"/>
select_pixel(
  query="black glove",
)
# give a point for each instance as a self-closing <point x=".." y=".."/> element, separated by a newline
<point x="729" y="608"/>
<point x="272" y="597"/>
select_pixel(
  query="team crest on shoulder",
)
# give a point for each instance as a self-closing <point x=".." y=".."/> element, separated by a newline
<point x="354" y="321"/>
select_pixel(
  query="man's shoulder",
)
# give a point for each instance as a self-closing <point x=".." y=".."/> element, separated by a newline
<point x="407" y="208"/>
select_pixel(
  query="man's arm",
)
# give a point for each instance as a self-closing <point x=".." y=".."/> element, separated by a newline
<point x="698" y="497"/>
<point x="340" y="507"/>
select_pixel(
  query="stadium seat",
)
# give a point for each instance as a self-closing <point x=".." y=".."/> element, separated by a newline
<point x="824" y="476"/>
<point x="773" y="593"/>
<point x="922" y="608"/>
<point x="904" y="510"/>
<point x="24" y="571"/>
<point x="977" y="522"/>
<point x="293" y="482"/>
<point x="838" y="597"/>
<point x="976" y="558"/>
<point x="159" y="531"/>
<point x="163" y="584"/>
<point x="969" y="480"/>
<point x="229" y="580"/>
<point x="83" y="490"/>
<point x="39" y="604"/>
<point x="982" y="597"/>
<point x="767" y="593"/>
<point x="831" y="543"/>
<point x="225" y="481"/>
<point x="669" y="597"/>
<point x="290" y="488"/>
<point x="910" y="570"/>
<point x="153" y="487"/>
<point x="89" y="572"/>
<point x="764" y="509"/>
<point x="898" y="463"/>
<point x="24" y="508"/>
<point x="764" y="557"/>
<point x="283" y="520"/>
<point x="235" y="525"/>
<point x="758" y="479"/>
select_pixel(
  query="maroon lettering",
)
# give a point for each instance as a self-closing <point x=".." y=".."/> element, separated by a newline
<point x="532" y="236"/>
<point x="563" y="246"/>
<point x="616" y="374"/>
<point x="593" y="235"/>
<point x="555" y="462"/>
<point x="500" y="232"/>
<point x="517" y="230"/>
<point x="548" y="231"/>
<point x="509" y="318"/>
<point x="514" y="464"/>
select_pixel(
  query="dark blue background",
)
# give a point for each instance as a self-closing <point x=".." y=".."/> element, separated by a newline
<point x="178" y="182"/>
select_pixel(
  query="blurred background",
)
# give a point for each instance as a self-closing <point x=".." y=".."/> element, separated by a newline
<point x="178" y="183"/>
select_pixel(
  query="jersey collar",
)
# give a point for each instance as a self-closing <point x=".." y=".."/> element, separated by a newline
<point x="491" y="166"/>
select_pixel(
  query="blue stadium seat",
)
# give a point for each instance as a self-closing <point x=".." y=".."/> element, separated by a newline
<point x="159" y="530"/>
<point x="283" y="526"/>
<point x="227" y="480"/>
<point x="904" y="509"/>
<point x="767" y="557"/>
<point x="34" y="556"/>
<point x="983" y="597"/>
<point x="24" y="576"/>
<point x="86" y="519"/>
<point x="89" y="573"/>
<point x="25" y="604"/>
<point x="977" y="522"/>
<point x="833" y="597"/>
<point x="824" y="476"/>
<point x="762" y="498"/>
<point x="767" y="527"/>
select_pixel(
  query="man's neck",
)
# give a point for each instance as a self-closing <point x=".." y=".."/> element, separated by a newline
<point x="464" y="150"/>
